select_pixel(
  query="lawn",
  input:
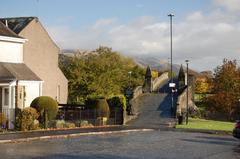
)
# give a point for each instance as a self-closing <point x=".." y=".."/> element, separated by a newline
<point x="207" y="125"/>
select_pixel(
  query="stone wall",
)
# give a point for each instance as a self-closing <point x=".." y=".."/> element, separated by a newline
<point x="158" y="81"/>
<point x="181" y="108"/>
<point x="137" y="91"/>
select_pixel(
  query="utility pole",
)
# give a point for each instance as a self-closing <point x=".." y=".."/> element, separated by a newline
<point x="171" y="85"/>
<point x="187" y="62"/>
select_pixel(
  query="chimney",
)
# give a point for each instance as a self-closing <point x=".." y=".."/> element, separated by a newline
<point x="6" y="23"/>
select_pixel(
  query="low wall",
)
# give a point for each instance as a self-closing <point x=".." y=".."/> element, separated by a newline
<point x="158" y="81"/>
<point x="181" y="108"/>
<point x="137" y="91"/>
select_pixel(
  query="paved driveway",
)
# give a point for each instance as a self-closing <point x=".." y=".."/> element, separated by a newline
<point x="143" y="145"/>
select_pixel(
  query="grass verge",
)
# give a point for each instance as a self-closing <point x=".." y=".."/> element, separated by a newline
<point x="203" y="124"/>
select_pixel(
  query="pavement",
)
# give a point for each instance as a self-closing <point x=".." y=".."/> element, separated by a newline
<point x="155" y="109"/>
<point x="11" y="137"/>
<point x="130" y="145"/>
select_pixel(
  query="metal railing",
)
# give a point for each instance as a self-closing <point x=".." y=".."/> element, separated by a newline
<point x="92" y="116"/>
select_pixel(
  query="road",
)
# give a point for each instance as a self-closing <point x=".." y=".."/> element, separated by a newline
<point x="154" y="109"/>
<point x="134" y="145"/>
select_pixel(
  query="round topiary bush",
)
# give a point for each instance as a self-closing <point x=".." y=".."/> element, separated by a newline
<point x="102" y="108"/>
<point x="27" y="119"/>
<point x="47" y="108"/>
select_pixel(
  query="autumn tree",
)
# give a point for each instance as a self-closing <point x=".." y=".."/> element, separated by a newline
<point x="203" y="85"/>
<point x="226" y="88"/>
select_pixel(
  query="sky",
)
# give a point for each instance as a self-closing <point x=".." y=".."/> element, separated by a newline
<point x="204" y="31"/>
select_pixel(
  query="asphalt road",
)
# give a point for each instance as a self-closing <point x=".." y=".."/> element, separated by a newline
<point x="134" y="145"/>
<point x="154" y="109"/>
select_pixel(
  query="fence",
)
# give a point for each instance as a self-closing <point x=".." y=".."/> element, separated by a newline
<point x="10" y="115"/>
<point x="79" y="114"/>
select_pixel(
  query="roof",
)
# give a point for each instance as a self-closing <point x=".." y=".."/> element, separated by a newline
<point x="5" y="31"/>
<point x="17" y="24"/>
<point x="16" y="71"/>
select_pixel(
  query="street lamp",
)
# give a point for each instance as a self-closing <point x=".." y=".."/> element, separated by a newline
<point x="130" y="82"/>
<point x="187" y="62"/>
<point x="171" y="84"/>
<point x="129" y="94"/>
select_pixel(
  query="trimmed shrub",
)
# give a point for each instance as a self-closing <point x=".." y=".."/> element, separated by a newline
<point x="118" y="101"/>
<point x="3" y="121"/>
<point x="27" y="119"/>
<point x="102" y="108"/>
<point x="91" y="103"/>
<point x="100" y="105"/>
<point x="118" y="106"/>
<point x="47" y="108"/>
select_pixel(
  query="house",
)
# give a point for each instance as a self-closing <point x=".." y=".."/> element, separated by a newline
<point x="40" y="54"/>
<point x="19" y="85"/>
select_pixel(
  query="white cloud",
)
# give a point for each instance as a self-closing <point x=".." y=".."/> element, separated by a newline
<point x="231" y="5"/>
<point x="204" y="39"/>
<point x="104" y="23"/>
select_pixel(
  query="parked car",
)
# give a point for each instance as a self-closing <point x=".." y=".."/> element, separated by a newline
<point x="236" y="130"/>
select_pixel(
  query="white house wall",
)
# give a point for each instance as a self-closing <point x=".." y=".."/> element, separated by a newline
<point x="32" y="89"/>
<point x="11" y="52"/>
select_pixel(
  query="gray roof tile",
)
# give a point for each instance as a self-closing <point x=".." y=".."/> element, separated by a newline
<point x="16" y="71"/>
<point x="17" y="24"/>
<point x="5" y="31"/>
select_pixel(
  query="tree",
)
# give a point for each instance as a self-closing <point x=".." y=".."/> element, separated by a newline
<point x="102" y="72"/>
<point x="226" y="88"/>
<point x="202" y="85"/>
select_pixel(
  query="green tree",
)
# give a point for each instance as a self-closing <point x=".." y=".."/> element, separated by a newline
<point x="102" y="72"/>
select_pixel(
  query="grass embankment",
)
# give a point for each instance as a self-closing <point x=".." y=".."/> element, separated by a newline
<point x="207" y="125"/>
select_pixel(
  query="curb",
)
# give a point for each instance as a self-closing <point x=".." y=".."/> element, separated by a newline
<point x="219" y="132"/>
<point x="72" y="135"/>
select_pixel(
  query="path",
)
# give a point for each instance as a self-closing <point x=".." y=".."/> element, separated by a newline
<point x="154" y="109"/>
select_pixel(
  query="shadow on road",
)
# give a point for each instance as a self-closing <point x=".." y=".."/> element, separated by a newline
<point x="77" y="156"/>
<point x="217" y="138"/>
<point x="165" y="106"/>
<point x="215" y="142"/>
<point x="237" y="149"/>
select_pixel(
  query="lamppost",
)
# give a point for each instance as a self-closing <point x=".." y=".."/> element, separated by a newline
<point x="187" y="62"/>
<point x="130" y="82"/>
<point x="129" y="93"/>
<point x="171" y="85"/>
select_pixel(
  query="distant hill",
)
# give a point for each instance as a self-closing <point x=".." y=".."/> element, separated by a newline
<point x="155" y="62"/>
